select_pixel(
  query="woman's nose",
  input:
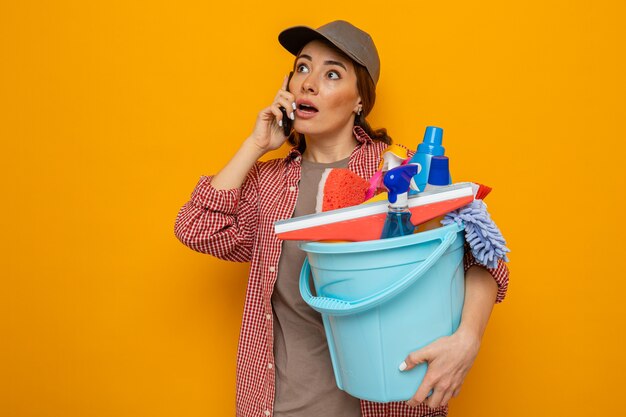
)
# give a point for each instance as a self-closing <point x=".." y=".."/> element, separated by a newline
<point x="309" y="85"/>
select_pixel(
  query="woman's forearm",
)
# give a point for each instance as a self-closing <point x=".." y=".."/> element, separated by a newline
<point x="480" y="296"/>
<point x="451" y="357"/>
<point x="235" y="171"/>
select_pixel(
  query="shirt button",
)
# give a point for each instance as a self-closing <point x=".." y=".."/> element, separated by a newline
<point x="272" y="269"/>
<point x="269" y="365"/>
<point x="267" y="412"/>
<point x="292" y="188"/>
<point x="268" y="316"/>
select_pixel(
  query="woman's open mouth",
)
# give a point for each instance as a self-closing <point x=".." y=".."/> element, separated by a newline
<point x="305" y="109"/>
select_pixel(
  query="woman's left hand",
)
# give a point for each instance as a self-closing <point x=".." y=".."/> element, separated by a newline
<point x="449" y="360"/>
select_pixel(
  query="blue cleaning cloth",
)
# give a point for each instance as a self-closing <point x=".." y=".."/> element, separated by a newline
<point x="481" y="233"/>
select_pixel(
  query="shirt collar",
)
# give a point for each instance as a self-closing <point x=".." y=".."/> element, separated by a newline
<point x="359" y="134"/>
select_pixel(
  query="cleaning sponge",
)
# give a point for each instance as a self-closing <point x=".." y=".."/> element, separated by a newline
<point x="339" y="188"/>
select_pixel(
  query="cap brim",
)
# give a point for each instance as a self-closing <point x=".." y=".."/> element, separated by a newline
<point x="293" y="39"/>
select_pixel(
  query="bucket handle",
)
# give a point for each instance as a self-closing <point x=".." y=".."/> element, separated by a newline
<point x="340" y="307"/>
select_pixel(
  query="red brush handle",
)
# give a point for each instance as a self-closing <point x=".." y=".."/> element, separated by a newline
<point x="482" y="192"/>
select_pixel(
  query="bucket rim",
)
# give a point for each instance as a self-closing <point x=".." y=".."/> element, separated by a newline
<point x="378" y="244"/>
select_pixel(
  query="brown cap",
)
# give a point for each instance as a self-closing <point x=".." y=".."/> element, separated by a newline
<point x="349" y="39"/>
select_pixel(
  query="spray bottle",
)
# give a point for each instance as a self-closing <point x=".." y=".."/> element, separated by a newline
<point x="398" y="221"/>
<point x="430" y="146"/>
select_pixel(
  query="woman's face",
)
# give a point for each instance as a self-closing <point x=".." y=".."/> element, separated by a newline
<point x="324" y="85"/>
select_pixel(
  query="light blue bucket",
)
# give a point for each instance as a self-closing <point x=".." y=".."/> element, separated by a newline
<point x="381" y="300"/>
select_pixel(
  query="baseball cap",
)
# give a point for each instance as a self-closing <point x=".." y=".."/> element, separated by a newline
<point x="349" y="39"/>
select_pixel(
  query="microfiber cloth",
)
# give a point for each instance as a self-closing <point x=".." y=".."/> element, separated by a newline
<point x="481" y="233"/>
<point x="339" y="188"/>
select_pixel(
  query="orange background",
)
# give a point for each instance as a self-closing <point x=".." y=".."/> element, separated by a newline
<point x="111" y="111"/>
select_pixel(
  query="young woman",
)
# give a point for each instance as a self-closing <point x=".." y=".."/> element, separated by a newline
<point x="283" y="365"/>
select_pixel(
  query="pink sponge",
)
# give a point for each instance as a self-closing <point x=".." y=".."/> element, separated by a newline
<point x="339" y="188"/>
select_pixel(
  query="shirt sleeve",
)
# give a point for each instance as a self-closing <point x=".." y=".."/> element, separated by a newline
<point x="221" y="223"/>
<point x="500" y="273"/>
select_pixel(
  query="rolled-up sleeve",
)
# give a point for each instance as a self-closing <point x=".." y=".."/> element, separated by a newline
<point x="221" y="223"/>
<point x="500" y="273"/>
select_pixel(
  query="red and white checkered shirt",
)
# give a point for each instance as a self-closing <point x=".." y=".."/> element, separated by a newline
<point x="238" y="225"/>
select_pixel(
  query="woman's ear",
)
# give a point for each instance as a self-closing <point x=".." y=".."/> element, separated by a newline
<point x="359" y="106"/>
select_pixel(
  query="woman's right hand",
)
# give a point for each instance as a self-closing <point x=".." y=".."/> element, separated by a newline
<point x="268" y="134"/>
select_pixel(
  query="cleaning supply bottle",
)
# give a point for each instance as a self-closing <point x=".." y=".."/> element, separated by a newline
<point x="439" y="173"/>
<point x="438" y="177"/>
<point x="398" y="221"/>
<point x="430" y="146"/>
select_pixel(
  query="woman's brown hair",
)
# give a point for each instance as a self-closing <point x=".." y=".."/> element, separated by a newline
<point x="367" y="90"/>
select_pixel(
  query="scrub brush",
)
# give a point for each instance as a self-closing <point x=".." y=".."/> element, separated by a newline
<point x="339" y="188"/>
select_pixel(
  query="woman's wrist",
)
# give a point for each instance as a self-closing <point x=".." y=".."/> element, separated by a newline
<point x="235" y="171"/>
<point x="251" y="149"/>
<point x="469" y="335"/>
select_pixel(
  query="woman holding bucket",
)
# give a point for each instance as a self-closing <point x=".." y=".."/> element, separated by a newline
<point x="283" y="364"/>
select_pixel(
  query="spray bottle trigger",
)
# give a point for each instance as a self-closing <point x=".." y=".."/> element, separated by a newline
<point x="413" y="185"/>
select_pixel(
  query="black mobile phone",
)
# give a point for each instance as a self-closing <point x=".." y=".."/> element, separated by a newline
<point x="287" y="122"/>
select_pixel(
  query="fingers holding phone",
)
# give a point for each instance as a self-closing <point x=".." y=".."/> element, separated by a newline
<point x="284" y="103"/>
<point x="287" y="106"/>
<point x="275" y="122"/>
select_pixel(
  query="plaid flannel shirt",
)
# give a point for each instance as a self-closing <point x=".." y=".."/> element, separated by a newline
<point x="238" y="225"/>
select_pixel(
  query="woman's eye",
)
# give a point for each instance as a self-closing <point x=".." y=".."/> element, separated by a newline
<point x="333" y="75"/>
<point x="302" y="68"/>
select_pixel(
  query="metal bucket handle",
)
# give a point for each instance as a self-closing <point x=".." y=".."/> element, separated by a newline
<point x="341" y="308"/>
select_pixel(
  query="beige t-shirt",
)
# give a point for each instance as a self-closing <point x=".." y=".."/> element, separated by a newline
<point x="305" y="382"/>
